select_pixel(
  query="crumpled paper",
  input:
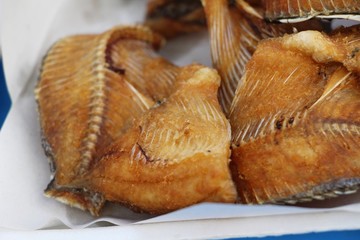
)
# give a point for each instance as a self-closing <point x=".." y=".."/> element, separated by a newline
<point x="29" y="28"/>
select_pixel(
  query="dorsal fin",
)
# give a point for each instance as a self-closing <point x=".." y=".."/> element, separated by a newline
<point x="301" y="10"/>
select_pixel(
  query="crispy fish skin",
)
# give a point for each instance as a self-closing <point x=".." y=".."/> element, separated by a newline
<point x="290" y="9"/>
<point x="150" y="74"/>
<point x="296" y="119"/>
<point x="170" y="159"/>
<point x="85" y="101"/>
<point x="236" y="28"/>
<point x="172" y="18"/>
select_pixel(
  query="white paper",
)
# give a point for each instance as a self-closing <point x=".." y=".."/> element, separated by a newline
<point x="27" y="33"/>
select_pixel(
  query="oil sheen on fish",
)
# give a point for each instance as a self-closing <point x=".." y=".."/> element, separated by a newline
<point x="236" y="28"/>
<point x="296" y="119"/>
<point x="172" y="18"/>
<point x="300" y="10"/>
<point x="88" y="95"/>
<point x="175" y="155"/>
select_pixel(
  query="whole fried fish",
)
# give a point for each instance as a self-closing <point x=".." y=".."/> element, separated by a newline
<point x="296" y="119"/>
<point x="89" y="94"/>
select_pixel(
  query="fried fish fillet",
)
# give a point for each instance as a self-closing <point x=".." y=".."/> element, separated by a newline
<point x="87" y="97"/>
<point x="171" y="18"/>
<point x="300" y="10"/>
<point x="296" y="119"/>
<point x="235" y="28"/>
<point x="175" y="155"/>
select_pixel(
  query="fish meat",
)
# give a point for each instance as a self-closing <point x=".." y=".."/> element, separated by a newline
<point x="172" y="18"/>
<point x="235" y="28"/>
<point x="301" y="10"/>
<point x="296" y="119"/>
<point x="169" y="159"/>
<point x="91" y="90"/>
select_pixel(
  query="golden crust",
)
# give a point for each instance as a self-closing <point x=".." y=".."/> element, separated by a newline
<point x="295" y="119"/>
<point x="170" y="159"/>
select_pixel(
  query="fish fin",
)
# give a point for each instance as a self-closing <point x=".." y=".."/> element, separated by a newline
<point x="78" y="198"/>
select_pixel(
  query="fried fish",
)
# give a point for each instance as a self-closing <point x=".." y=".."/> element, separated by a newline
<point x="88" y="95"/>
<point x="296" y="119"/>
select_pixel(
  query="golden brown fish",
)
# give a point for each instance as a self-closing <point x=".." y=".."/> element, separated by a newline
<point x="175" y="155"/>
<point x="171" y="18"/>
<point x="235" y="29"/>
<point x="89" y="94"/>
<point x="300" y="10"/>
<point x="296" y="119"/>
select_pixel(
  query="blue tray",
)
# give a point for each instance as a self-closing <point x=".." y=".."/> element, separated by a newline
<point x="4" y="96"/>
